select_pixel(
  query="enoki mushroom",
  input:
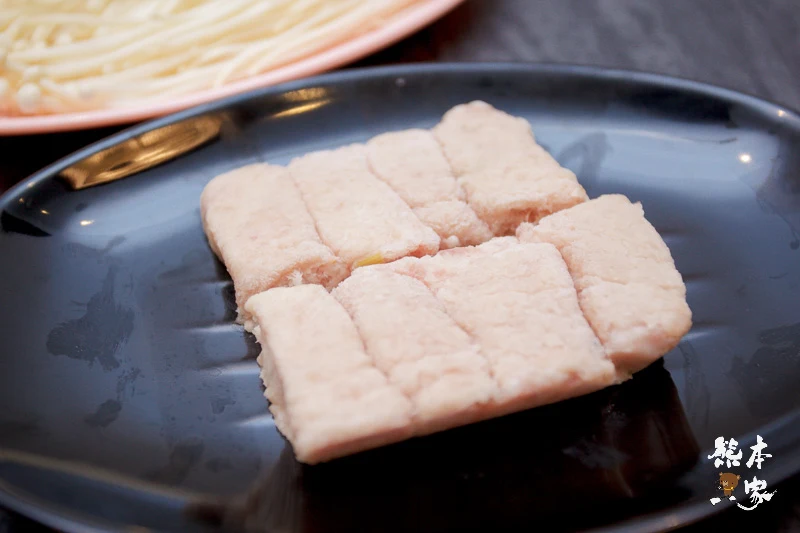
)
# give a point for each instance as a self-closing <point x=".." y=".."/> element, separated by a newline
<point x="61" y="56"/>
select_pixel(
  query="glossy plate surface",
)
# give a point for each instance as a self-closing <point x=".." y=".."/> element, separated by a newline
<point x="394" y="29"/>
<point x="129" y="397"/>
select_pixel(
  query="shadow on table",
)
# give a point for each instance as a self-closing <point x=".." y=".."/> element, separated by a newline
<point x="581" y="463"/>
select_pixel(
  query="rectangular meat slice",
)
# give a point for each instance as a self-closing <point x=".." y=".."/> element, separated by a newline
<point x="419" y="347"/>
<point x="518" y="303"/>
<point x="411" y="162"/>
<point x="361" y="218"/>
<point x="325" y="393"/>
<point x="258" y="226"/>
<point x="507" y="176"/>
<point x="629" y="288"/>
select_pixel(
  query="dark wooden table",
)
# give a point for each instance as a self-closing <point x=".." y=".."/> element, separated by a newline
<point x="747" y="45"/>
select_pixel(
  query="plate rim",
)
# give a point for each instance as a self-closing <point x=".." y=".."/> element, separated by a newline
<point x="789" y="115"/>
<point x="678" y="516"/>
<point x="401" y="25"/>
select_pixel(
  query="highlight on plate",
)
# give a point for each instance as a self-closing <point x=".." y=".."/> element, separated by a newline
<point x="74" y="55"/>
<point x="428" y="279"/>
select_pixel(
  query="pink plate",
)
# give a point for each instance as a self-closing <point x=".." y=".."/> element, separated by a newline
<point x="402" y="25"/>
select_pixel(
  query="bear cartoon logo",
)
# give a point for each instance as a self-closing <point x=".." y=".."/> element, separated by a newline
<point x="728" y="482"/>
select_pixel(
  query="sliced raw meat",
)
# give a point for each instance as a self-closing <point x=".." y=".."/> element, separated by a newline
<point x="361" y="218"/>
<point x="507" y="176"/>
<point x="419" y="347"/>
<point x="325" y="393"/>
<point x="628" y="286"/>
<point x="518" y="303"/>
<point x="258" y="225"/>
<point x="412" y="164"/>
<point x="455" y="222"/>
<point x="397" y="351"/>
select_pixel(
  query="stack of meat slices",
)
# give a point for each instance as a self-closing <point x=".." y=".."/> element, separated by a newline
<point x="430" y="279"/>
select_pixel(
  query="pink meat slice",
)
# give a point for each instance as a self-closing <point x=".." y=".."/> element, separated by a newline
<point x="507" y="176"/>
<point x="455" y="222"/>
<point x="411" y="162"/>
<point x="419" y="347"/>
<point x="629" y="288"/>
<point x="361" y="218"/>
<point x="518" y="303"/>
<point x="326" y="395"/>
<point x="259" y="227"/>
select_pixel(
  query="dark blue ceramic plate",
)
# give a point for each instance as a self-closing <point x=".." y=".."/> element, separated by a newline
<point x="129" y="398"/>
